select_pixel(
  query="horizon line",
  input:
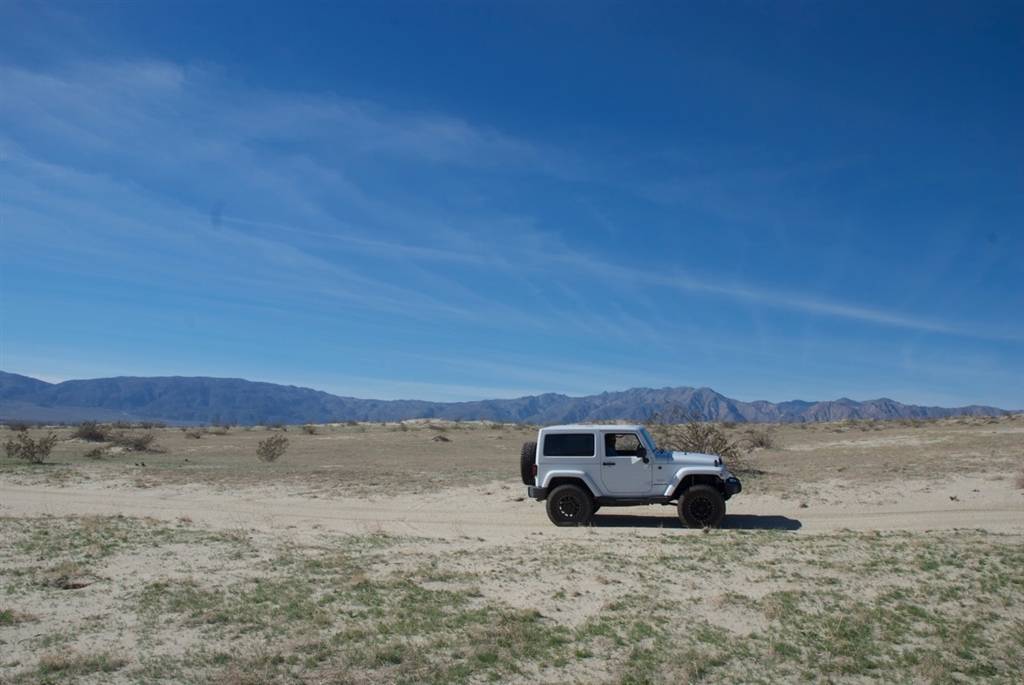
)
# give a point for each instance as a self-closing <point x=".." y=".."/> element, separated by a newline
<point x="518" y="397"/>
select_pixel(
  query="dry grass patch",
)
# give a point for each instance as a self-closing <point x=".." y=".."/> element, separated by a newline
<point x="368" y="458"/>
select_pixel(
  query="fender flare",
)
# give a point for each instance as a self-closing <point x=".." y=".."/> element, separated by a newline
<point x="575" y="474"/>
<point x="690" y="471"/>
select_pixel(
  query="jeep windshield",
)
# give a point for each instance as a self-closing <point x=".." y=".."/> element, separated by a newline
<point x="648" y="440"/>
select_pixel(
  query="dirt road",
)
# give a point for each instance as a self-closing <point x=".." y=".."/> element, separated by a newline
<point x="498" y="514"/>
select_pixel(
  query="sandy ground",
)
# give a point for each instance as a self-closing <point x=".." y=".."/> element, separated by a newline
<point x="498" y="513"/>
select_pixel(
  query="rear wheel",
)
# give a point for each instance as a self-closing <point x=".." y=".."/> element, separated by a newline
<point x="701" y="506"/>
<point x="570" y="505"/>
<point x="527" y="460"/>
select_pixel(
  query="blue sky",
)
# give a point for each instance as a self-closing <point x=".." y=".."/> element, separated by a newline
<point x="469" y="200"/>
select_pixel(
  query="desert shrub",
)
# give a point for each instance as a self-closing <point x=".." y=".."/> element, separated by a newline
<point x="272" y="448"/>
<point x="277" y="427"/>
<point x="706" y="438"/>
<point x="17" y="426"/>
<point x="685" y="432"/>
<point x="218" y="430"/>
<point x="309" y="429"/>
<point x="91" y="431"/>
<point x="136" y="442"/>
<point x="759" y="438"/>
<point x="95" y="453"/>
<point x="32" y="451"/>
<point x="150" y="425"/>
<point x="194" y="433"/>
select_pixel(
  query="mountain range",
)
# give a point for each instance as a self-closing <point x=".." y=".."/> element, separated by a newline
<point x="176" y="399"/>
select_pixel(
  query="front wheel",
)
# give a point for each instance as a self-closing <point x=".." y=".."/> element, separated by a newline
<point x="570" y="505"/>
<point x="702" y="506"/>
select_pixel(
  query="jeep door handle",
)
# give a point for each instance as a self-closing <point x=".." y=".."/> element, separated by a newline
<point x="608" y="463"/>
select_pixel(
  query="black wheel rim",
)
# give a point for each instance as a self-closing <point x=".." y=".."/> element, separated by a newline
<point x="568" y="507"/>
<point x="702" y="509"/>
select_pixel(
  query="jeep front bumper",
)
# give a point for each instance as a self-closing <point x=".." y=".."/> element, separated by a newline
<point x="733" y="486"/>
<point x="537" y="493"/>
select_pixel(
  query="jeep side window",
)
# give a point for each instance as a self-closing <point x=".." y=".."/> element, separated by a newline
<point x="621" y="445"/>
<point x="569" y="445"/>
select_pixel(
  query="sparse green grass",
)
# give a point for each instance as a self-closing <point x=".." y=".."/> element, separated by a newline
<point x="71" y="665"/>
<point x="758" y="606"/>
<point x="10" y="617"/>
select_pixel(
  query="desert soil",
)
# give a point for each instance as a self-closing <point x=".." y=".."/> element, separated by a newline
<point x="408" y="553"/>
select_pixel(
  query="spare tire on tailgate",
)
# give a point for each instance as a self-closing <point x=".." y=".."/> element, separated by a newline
<point x="527" y="458"/>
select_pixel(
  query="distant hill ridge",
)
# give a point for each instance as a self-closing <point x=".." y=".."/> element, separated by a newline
<point x="236" y="401"/>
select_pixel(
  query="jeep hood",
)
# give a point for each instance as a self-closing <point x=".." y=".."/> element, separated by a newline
<point x="693" y="459"/>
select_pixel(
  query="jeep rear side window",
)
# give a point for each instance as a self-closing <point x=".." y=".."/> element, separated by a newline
<point x="569" y="445"/>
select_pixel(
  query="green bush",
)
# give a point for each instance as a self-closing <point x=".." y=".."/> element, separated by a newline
<point x="760" y="437"/>
<point x="32" y="451"/>
<point x="91" y="431"/>
<point x="272" y="448"/>
<point x="136" y="442"/>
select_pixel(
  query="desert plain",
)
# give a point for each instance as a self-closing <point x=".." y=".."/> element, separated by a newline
<point x="859" y="551"/>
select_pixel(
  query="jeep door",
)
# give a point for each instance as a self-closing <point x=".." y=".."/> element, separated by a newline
<point x="625" y="465"/>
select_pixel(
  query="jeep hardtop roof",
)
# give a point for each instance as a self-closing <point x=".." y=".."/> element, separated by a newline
<point x="615" y="428"/>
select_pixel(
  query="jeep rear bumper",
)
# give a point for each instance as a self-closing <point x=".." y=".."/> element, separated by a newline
<point x="537" y="493"/>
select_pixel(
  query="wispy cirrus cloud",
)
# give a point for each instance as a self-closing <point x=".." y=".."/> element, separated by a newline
<point x="173" y="176"/>
<point x="589" y="266"/>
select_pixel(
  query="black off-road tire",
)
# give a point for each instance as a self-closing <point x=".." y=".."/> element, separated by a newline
<point x="702" y="506"/>
<point x="570" y="505"/>
<point x="527" y="458"/>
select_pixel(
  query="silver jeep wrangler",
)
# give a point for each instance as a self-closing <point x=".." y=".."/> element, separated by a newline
<point x="579" y="468"/>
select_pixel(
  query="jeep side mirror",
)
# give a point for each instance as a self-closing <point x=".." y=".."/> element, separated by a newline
<point x="641" y="452"/>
